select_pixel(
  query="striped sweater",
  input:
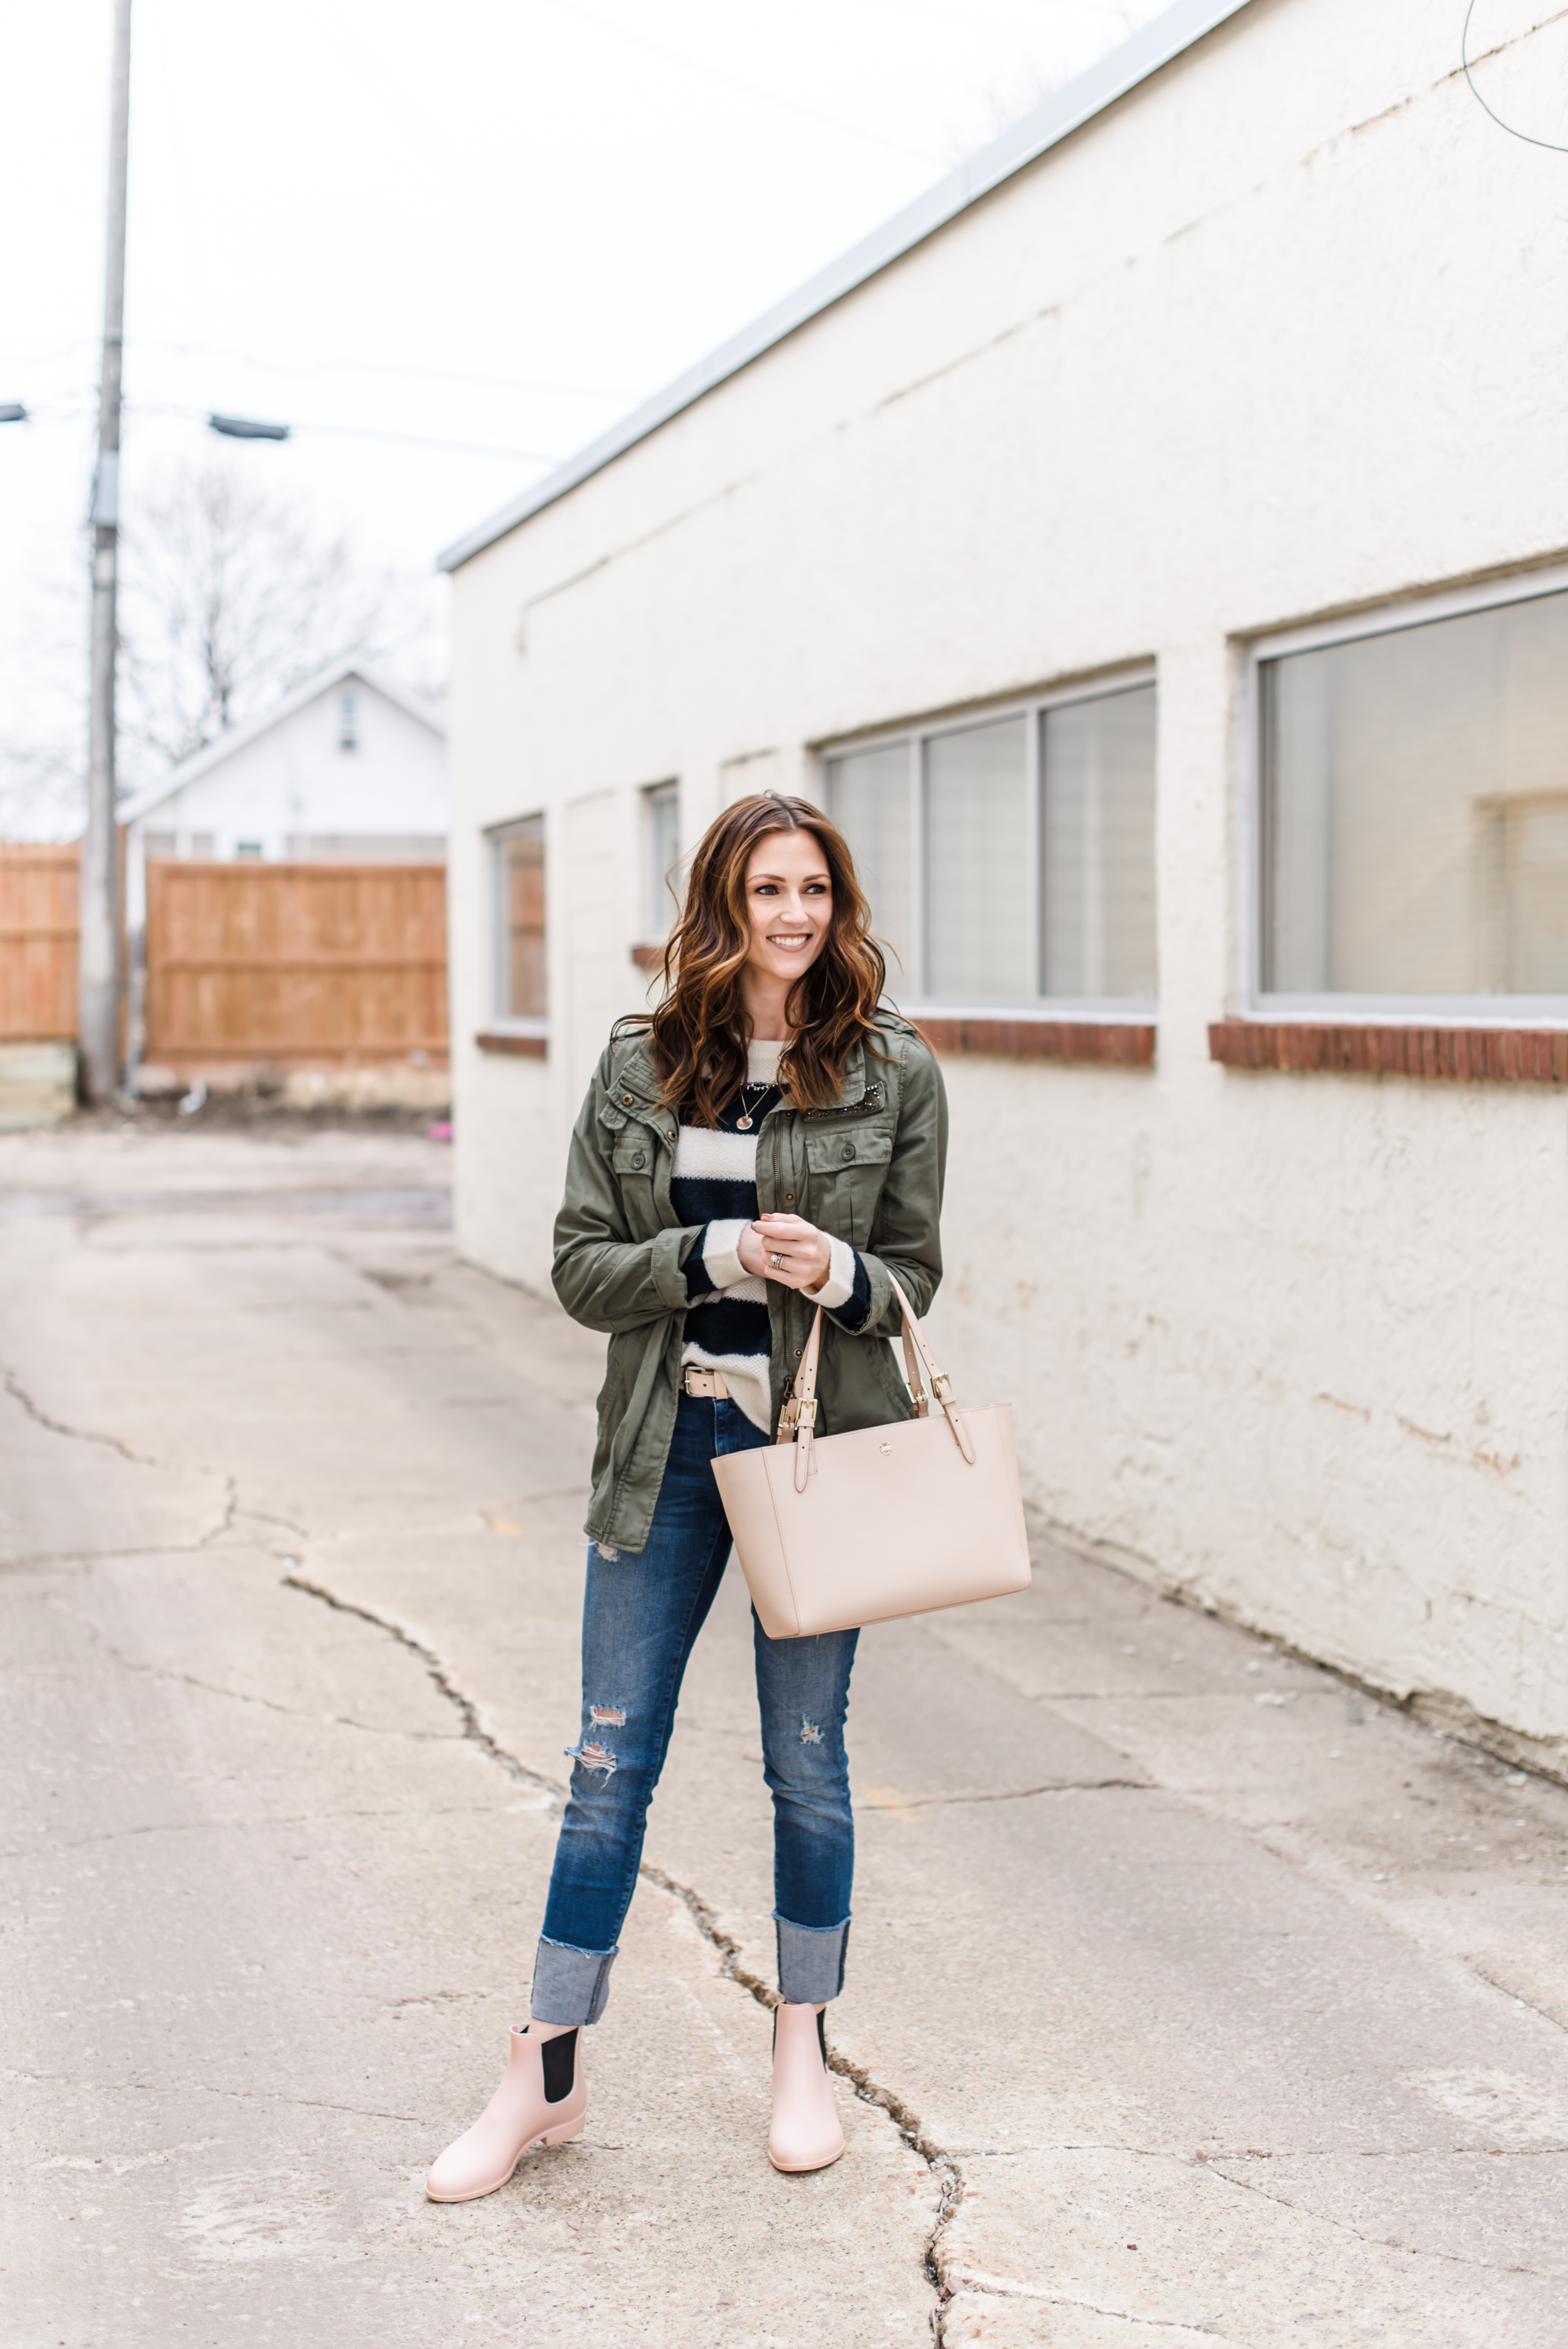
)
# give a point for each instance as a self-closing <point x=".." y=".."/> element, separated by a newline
<point x="714" y="1184"/>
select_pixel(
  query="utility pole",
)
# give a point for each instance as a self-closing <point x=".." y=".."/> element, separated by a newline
<point x="97" y="1017"/>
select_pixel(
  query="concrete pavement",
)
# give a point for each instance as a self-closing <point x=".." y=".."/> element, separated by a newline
<point x="1194" y="1996"/>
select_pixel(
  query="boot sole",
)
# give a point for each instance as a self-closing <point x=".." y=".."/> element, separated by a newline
<point x="562" y="2135"/>
<point x="802" y="2168"/>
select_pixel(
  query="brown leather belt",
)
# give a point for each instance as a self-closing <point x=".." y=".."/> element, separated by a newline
<point x="703" y="1382"/>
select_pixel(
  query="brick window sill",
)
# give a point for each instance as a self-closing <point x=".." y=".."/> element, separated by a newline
<point x="649" y="956"/>
<point x="1527" y="1056"/>
<point x="1115" y="1043"/>
<point x="528" y="1048"/>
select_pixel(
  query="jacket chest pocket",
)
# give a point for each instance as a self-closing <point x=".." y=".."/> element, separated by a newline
<point x="633" y="1157"/>
<point x="847" y="1165"/>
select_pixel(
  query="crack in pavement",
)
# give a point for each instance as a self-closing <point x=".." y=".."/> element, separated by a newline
<point x="247" y="1696"/>
<point x="473" y="1728"/>
<point x="941" y="2166"/>
<point x="35" y="1411"/>
<point x="204" y="2088"/>
<point x="1381" y="2242"/>
<point x="225" y="1523"/>
<point x="1013" y="1793"/>
<point x="231" y="1825"/>
<point x="41" y="1418"/>
<point x="1003" y="2288"/>
<point x="1484" y="1973"/>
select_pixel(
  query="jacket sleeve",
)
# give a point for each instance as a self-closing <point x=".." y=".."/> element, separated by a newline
<point x="605" y="1278"/>
<point x="906" y="1236"/>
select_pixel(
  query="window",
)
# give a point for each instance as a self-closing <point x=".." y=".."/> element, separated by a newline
<point x="250" y="848"/>
<point x="1012" y="861"/>
<point x="160" y="844"/>
<point x="661" y="838"/>
<point x="349" y="720"/>
<point x="1415" y="808"/>
<point x="519" y="852"/>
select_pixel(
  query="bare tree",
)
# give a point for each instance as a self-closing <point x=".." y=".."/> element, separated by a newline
<point x="232" y="599"/>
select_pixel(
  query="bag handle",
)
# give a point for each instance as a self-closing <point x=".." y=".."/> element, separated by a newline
<point x="798" y="1420"/>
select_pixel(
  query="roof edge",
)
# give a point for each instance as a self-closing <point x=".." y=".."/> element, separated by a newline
<point x="1122" y="69"/>
<point x="190" y="769"/>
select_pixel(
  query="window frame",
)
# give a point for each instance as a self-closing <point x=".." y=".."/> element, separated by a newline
<point x="1110" y="1011"/>
<point x="656" y="894"/>
<point x="1359" y="1008"/>
<point x="498" y="1022"/>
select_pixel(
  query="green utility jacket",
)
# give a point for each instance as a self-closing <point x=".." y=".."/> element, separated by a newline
<point x="868" y="1169"/>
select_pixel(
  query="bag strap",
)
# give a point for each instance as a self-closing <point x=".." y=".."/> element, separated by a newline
<point x="941" y="1384"/>
<point x="798" y="1420"/>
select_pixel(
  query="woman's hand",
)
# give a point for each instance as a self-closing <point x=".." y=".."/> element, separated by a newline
<point x="803" y="1255"/>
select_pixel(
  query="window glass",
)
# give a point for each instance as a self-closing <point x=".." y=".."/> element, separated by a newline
<point x="978" y="865"/>
<point x="663" y="837"/>
<point x="1097" y="845"/>
<point x="520" y="854"/>
<point x="1416" y="809"/>
<point x="868" y="799"/>
<point x="1022" y="905"/>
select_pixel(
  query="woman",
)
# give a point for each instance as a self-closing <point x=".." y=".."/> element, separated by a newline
<point x="770" y="1140"/>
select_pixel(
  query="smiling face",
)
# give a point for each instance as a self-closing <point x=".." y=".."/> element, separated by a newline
<point x="790" y="905"/>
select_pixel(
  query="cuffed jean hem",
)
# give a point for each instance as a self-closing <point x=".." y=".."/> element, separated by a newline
<point x="570" y="1986"/>
<point x="810" y="1960"/>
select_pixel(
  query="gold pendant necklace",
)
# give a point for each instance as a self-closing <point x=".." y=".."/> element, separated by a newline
<point x="744" y="1120"/>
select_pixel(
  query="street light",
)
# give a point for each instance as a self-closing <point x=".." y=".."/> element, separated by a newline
<point x="12" y="412"/>
<point x="243" y="427"/>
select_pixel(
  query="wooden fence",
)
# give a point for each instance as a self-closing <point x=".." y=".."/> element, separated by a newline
<point x="295" y="964"/>
<point x="38" y="944"/>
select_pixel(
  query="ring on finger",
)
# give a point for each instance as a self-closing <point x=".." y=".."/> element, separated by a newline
<point x="776" y="1260"/>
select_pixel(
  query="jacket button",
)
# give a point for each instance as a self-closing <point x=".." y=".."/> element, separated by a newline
<point x="638" y="1159"/>
<point x="848" y="1152"/>
<point x="627" y="1099"/>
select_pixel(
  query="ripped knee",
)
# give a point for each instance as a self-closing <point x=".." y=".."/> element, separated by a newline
<point x="592" y="1754"/>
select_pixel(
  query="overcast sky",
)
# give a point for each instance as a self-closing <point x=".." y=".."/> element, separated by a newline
<point x="493" y="225"/>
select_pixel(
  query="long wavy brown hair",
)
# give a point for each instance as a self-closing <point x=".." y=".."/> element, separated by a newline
<point x="698" y="1034"/>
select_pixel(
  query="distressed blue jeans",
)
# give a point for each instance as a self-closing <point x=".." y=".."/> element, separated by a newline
<point x="641" y="1616"/>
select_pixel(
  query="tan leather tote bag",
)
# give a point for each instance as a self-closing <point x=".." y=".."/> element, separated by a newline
<point x="884" y="1521"/>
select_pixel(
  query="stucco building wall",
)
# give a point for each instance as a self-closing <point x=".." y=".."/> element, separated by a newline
<point x="1277" y="335"/>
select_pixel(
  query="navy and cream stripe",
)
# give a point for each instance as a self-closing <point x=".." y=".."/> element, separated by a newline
<point x="714" y="1184"/>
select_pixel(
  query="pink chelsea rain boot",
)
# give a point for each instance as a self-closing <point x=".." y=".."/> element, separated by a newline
<point x="805" y="2133"/>
<point x="542" y="2100"/>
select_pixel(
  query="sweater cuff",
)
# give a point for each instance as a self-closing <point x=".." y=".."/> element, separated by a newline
<point x="840" y="1286"/>
<point x="720" y="1252"/>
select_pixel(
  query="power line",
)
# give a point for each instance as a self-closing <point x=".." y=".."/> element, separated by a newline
<point x="327" y="367"/>
<point x="1553" y="146"/>
<point x="377" y="366"/>
<point x="735" y="82"/>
